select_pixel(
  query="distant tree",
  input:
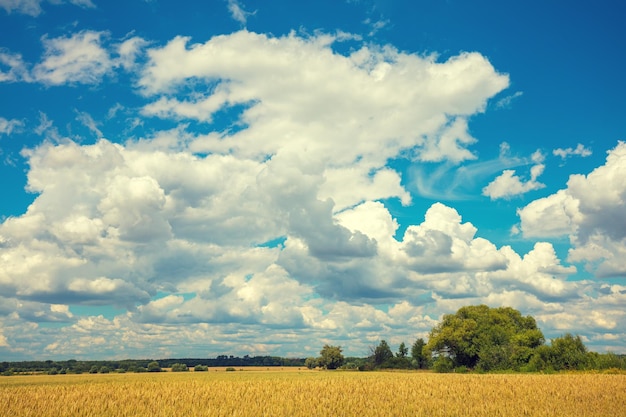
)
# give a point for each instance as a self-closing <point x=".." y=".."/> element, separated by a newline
<point x="402" y="351"/>
<point x="200" y="368"/>
<point x="330" y="357"/>
<point x="154" y="367"/>
<point x="94" y="369"/>
<point x="485" y="338"/>
<point x="310" y="363"/>
<point x="104" y="370"/>
<point x="417" y="353"/>
<point x="382" y="353"/>
<point x="179" y="367"/>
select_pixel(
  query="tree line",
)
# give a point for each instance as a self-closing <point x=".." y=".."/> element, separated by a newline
<point x="73" y="366"/>
<point x="475" y="338"/>
<point x="482" y="339"/>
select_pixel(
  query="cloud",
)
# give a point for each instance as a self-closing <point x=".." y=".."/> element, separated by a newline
<point x="580" y="150"/>
<point x="237" y="12"/>
<point x="12" y="67"/>
<point x="375" y="26"/>
<point x="89" y="123"/>
<point x="129" y="50"/>
<point x="275" y="230"/>
<point x="33" y="7"/>
<point x="79" y="58"/>
<point x="505" y="102"/>
<point x="7" y="127"/>
<point x="373" y="101"/>
<point x="508" y="184"/>
<point x="590" y="210"/>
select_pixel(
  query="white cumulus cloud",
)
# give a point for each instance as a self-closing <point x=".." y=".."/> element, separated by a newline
<point x="591" y="211"/>
<point x="79" y="58"/>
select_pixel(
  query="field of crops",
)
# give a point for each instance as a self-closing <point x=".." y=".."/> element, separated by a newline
<point x="312" y="393"/>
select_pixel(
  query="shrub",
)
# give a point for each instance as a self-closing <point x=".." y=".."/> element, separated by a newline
<point x="179" y="367"/>
<point x="443" y="364"/>
<point x="229" y="369"/>
<point x="200" y="368"/>
<point x="154" y="367"/>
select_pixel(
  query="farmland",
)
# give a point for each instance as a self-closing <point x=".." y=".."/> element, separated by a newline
<point x="300" y="392"/>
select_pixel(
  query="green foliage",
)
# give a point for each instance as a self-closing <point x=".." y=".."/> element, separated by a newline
<point x="565" y="353"/>
<point x="402" y="351"/>
<point x="104" y="370"/>
<point x="443" y="364"/>
<point x="310" y="363"/>
<point x="382" y="353"/>
<point x="230" y="369"/>
<point x="179" y="367"/>
<point x="330" y="357"/>
<point x="569" y="352"/>
<point x="485" y="338"/>
<point x="94" y="369"/>
<point x="154" y="367"/>
<point x="603" y="361"/>
<point x="200" y="368"/>
<point x="417" y="353"/>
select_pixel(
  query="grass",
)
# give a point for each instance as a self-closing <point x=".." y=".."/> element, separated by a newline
<point x="311" y="393"/>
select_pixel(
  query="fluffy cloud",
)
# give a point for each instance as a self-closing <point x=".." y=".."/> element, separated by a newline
<point x="591" y="211"/>
<point x="381" y="100"/>
<point x="277" y="221"/>
<point x="508" y="184"/>
<point x="580" y="150"/>
<point x="79" y="58"/>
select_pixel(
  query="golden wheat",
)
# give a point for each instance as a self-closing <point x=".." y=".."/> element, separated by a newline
<point x="310" y="393"/>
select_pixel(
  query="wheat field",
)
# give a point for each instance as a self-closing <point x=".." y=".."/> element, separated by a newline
<point x="312" y="393"/>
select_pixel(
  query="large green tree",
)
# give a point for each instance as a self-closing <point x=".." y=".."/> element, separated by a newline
<point x="485" y="338"/>
<point x="330" y="357"/>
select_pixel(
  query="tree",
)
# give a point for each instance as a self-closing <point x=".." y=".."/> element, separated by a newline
<point x="485" y="338"/>
<point x="330" y="357"/>
<point x="417" y="353"/>
<point x="566" y="352"/>
<point x="402" y="351"/>
<point x="310" y="363"/>
<point x="382" y="353"/>
<point x="179" y="367"/>
<point x="154" y="367"/>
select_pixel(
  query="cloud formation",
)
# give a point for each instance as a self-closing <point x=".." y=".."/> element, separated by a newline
<point x="79" y="58"/>
<point x="580" y="150"/>
<point x="508" y="184"/>
<point x="590" y="211"/>
<point x="278" y="219"/>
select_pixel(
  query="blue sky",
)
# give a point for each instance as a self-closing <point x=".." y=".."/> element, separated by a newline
<point x="243" y="177"/>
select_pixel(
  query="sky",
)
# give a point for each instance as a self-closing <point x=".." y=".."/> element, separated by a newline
<point x="245" y="177"/>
